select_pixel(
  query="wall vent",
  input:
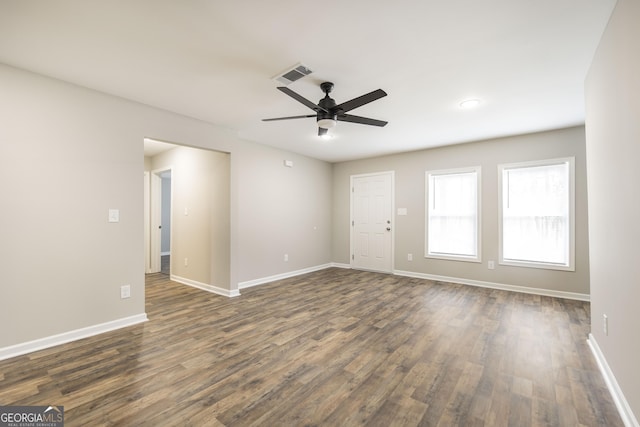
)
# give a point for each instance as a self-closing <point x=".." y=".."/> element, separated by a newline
<point x="292" y="74"/>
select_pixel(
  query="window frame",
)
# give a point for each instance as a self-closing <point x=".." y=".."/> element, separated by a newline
<point x="455" y="257"/>
<point x="570" y="266"/>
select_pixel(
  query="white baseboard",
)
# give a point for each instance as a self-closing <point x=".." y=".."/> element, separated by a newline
<point x="206" y="287"/>
<point x="478" y="283"/>
<point x="339" y="265"/>
<point x="53" y="340"/>
<point x="501" y="286"/>
<point x="628" y="418"/>
<point x="263" y="280"/>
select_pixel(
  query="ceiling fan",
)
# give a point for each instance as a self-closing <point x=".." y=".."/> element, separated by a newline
<point x="328" y="113"/>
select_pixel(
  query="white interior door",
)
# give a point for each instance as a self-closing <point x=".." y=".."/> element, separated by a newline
<point x="372" y="222"/>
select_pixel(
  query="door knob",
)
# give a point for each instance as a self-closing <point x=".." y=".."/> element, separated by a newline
<point x="388" y="228"/>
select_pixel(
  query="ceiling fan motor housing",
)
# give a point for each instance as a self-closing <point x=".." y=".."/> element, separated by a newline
<point x="327" y="119"/>
<point x="329" y="105"/>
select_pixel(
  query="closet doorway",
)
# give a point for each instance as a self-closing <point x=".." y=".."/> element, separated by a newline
<point x="160" y="236"/>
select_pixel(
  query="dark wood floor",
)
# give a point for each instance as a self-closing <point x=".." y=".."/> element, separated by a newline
<point x="336" y="348"/>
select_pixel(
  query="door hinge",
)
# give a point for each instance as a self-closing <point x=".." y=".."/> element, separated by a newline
<point x="353" y="223"/>
<point x="353" y="257"/>
<point x="353" y="189"/>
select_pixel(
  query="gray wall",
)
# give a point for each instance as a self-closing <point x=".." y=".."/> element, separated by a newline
<point x="410" y="193"/>
<point x="70" y="154"/>
<point x="285" y="211"/>
<point x="613" y="150"/>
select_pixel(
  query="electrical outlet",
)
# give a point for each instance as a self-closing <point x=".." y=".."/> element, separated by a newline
<point x="286" y="257"/>
<point x="491" y="265"/>
<point x="409" y="257"/>
<point x="125" y="291"/>
<point x="605" y="324"/>
<point x="186" y="262"/>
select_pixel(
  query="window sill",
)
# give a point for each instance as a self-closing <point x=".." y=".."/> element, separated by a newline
<point x="454" y="258"/>
<point x="542" y="265"/>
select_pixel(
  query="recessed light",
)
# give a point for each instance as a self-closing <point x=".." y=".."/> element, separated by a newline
<point x="469" y="103"/>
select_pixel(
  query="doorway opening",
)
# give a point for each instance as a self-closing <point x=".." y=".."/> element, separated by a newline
<point x="160" y="201"/>
<point x="165" y="222"/>
<point x="187" y="215"/>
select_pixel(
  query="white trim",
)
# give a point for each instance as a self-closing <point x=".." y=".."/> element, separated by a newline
<point x="155" y="237"/>
<point x="65" y="337"/>
<point x="501" y="286"/>
<point x="477" y="170"/>
<point x="392" y="217"/>
<point x="147" y="222"/>
<point x="571" y="263"/>
<point x="477" y="283"/>
<point x="263" y="280"/>
<point x="206" y="287"/>
<point x="628" y="418"/>
<point x="165" y="253"/>
<point x="453" y="257"/>
<point x="340" y="265"/>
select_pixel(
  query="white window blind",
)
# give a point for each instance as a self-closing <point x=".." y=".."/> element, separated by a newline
<point x="452" y="214"/>
<point x="537" y="214"/>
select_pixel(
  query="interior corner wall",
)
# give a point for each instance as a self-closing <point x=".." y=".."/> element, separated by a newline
<point x="70" y="154"/>
<point x="286" y="211"/>
<point x="410" y="194"/>
<point x="200" y="213"/>
<point x="613" y="148"/>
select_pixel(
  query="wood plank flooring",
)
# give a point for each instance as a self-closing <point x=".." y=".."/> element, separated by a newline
<point x="333" y="348"/>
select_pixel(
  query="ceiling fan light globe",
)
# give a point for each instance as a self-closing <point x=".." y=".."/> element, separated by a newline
<point x="326" y="123"/>
<point x="469" y="103"/>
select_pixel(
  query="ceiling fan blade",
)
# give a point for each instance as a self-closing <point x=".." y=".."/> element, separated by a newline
<point x="322" y="131"/>
<point x="301" y="99"/>
<point x="288" y="118"/>
<point x="361" y="100"/>
<point x="361" y="120"/>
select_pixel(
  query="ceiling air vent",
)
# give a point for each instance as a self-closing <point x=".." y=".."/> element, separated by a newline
<point x="292" y="74"/>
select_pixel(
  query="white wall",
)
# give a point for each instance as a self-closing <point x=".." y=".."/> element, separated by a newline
<point x="410" y="194"/>
<point x="69" y="154"/>
<point x="613" y="156"/>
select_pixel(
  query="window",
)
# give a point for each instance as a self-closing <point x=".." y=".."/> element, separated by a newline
<point x="453" y="214"/>
<point x="537" y="214"/>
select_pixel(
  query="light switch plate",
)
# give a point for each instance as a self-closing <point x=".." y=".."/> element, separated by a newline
<point x="114" y="215"/>
<point x="125" y="291"/>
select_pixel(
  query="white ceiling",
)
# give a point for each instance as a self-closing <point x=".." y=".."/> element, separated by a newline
<point x="214" y="60"/>
<point x="153" y="147"/>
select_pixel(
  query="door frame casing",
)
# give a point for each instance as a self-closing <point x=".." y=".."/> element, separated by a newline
<point x="155" y="236"/>
<point x="391" y="174"/>
<point x="147" y="222"/>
